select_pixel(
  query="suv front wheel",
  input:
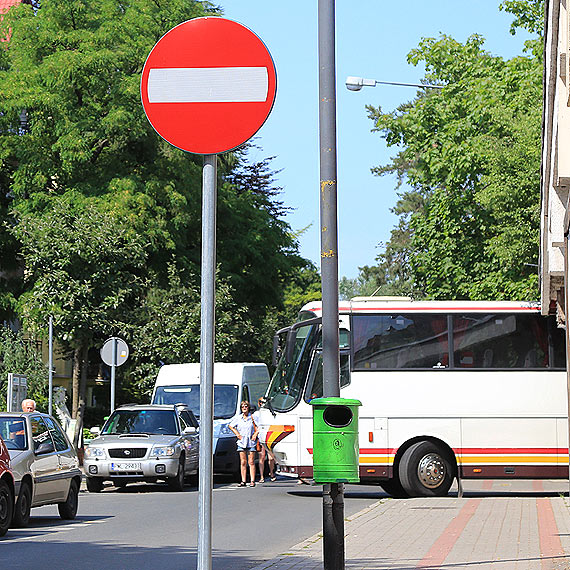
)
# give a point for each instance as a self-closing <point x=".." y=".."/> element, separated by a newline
<point x="176" y="483"/>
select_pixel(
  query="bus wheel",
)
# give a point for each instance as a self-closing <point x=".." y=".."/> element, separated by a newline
<point x="394" y="488"/>
<point x="425" y="470"/>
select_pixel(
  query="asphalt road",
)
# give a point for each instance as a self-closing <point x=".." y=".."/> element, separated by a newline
<point x="146" y="526"/>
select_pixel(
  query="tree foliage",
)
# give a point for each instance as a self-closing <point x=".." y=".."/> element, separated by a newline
<point x="20" y="356"/>
<point x="470" y="153"/>
<point x="103" y="216"/>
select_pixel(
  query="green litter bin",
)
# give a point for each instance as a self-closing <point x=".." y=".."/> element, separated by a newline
<point x="335" y="440"/>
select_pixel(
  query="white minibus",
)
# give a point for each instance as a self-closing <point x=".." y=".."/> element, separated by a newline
<point x="233" y="382"/>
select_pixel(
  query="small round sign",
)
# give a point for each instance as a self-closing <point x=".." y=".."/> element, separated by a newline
<point x="121" y="354"/>
<point x="208" y="85"/>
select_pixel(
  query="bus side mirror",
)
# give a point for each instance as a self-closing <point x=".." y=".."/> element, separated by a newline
<point x="275" y="358"/>
<point x="290" y="347"/>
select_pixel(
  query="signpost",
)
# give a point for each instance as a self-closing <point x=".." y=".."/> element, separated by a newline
<point x="114" y="352"/>
<point x="207" y="87"/>
<point x="17" y="391"/>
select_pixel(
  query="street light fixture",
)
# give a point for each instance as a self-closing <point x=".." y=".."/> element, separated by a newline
<point x="357" y="83"/>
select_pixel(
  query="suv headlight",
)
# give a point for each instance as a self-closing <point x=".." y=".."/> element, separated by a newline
<point x="225" y="431"/>
<point x="94" y="452"/>
<point x="163" y="451"/>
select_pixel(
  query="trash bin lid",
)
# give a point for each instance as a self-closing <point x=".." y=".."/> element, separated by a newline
<point x="335" y="402"/>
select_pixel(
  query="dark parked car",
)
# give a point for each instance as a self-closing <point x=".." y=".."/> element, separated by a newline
<point x="6" y="490"/>
<point x="44" y="464"/>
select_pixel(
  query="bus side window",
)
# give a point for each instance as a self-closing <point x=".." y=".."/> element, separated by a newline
<point x="501" y="341"/>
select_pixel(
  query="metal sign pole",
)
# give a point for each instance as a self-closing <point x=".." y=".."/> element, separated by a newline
<point x="10" y="394"/>
<point x="50" y="366"/>
<point x="113" y="368"/>
<point x="207" y="321"/>
<point x="333" y="493"/>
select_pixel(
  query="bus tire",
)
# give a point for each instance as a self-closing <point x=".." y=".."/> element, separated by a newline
<point x="426" y="470"/>
<point x="394" y="488"/>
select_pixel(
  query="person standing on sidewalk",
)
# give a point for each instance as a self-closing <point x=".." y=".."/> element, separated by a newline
<point x="246" y="432"/>
<point x="262" y="448"/>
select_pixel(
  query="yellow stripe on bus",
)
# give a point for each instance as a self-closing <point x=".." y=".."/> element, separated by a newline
<point x="385" y="460"/>
<point x="483" y="459"/>
<point x="509" y="459"/>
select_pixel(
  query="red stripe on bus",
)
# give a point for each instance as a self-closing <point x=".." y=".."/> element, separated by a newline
<point x="509" y="450"/>
<point x="390" y="309"/>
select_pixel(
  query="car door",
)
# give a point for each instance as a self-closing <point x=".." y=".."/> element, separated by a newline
<point x="45" y="466"/>
<point x="187" y="419"/>
<point x="66" y="458"/>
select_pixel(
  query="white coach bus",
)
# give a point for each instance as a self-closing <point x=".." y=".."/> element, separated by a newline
<point x="456" y="388"/>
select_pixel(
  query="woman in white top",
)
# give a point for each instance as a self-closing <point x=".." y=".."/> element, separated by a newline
<point x="245" y="430"/>
<point x="263" y="450"/>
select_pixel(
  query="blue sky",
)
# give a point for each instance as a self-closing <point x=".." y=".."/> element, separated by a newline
<point x="373" y="38"/>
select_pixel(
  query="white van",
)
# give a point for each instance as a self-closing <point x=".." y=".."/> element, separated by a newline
<point x="233" y="382"/>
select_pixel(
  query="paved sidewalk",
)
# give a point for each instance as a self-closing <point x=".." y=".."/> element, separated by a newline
<point x="511" y="525"/>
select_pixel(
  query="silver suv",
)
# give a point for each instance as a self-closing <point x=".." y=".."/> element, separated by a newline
<point x="143" y="443"/>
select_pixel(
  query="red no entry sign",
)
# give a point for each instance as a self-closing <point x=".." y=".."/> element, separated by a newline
<point x="208" y="85"/>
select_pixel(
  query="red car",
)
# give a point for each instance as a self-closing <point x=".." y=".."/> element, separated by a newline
<point x="6" y="490"/>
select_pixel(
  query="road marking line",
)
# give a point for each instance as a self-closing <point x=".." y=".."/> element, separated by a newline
<point x="443" y="545"/>
<point x="208" y="85"/>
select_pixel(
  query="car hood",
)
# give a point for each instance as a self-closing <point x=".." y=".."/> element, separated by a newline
<point x="133" y="440"/>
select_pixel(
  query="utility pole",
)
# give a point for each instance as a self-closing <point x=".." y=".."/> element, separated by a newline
<point x="333" y="493"/>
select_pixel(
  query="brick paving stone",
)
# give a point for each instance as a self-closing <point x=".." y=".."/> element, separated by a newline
<point x="502" y="533"/>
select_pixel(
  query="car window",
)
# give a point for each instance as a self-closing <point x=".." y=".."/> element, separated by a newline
<point x="13" y="432"/>
<point x="40" y="433"/>
<point x="153" y="422"/>
<point x="57" y="435"/>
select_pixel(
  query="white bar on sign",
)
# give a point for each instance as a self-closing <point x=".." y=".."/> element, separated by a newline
<point x="207" y="84"/>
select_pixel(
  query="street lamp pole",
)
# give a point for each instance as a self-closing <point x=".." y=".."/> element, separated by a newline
<point x="333" y="493"/>
<point x="357" y="83"/>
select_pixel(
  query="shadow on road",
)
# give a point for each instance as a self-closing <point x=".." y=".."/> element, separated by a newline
<point x="94" y="556"/>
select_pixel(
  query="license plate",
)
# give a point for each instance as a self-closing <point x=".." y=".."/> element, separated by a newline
<point x="125" y="467"/>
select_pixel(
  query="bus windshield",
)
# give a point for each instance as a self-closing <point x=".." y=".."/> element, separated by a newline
<point x="289" y="378"/>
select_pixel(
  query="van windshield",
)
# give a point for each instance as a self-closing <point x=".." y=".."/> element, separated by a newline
<point x="225" y="398"/>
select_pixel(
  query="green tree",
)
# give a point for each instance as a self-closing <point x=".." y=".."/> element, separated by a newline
<point x="103" y="208"/>
<point x="84" y="266"/>
<point x="167" y="329"/>
<point x="470" y="153"/>
<point x="20" y="356"/>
